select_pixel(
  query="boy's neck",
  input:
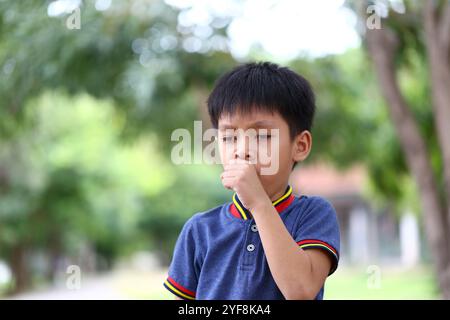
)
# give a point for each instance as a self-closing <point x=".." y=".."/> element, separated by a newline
<point x="275" y="196"/>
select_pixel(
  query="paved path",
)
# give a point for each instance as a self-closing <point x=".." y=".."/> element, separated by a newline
<point x="118" y="285"/>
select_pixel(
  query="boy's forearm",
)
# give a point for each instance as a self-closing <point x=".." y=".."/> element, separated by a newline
<point x="290" y="266"/>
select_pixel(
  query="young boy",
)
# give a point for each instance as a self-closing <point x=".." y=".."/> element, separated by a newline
<point x="266" y="243"/>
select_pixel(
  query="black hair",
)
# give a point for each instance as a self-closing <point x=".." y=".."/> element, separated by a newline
<point x="264" y="86"/>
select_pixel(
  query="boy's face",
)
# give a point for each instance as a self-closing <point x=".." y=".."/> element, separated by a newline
<point x="263" y="139"/>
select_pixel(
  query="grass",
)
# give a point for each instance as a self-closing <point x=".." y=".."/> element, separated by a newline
<point x="345" y="283"/>
<point x="356" y="283"/>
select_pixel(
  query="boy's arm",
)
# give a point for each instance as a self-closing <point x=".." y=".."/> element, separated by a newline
<point x="181" y="279"/>
<point x="298" y="273"/>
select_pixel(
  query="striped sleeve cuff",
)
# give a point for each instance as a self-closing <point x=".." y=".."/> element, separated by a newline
<point x="318" y="244"/>
<point x="178" y="290"/>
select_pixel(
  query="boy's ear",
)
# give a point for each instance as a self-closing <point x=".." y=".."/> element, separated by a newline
<point x="302" y="146"/>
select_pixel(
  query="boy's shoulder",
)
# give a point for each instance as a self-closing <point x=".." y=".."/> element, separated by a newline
<point x="310" y="202"/>
<point x="203" y="217"/>
<point x="313" y="207"/>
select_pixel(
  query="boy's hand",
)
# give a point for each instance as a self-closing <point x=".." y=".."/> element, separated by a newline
<point x="241" y="176"/>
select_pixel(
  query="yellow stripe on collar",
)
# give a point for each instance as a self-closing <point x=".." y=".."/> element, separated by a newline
<point x="239" y="207"/>
<point x="245" y="213"/>
<point x="287" y="194"/>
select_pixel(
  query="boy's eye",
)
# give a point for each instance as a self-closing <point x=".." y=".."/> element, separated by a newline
<point x="263" y="136"/>
<point x="228" y="138"/>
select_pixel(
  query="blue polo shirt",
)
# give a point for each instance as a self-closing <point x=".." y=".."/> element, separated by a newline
<point x="219" y="254"/>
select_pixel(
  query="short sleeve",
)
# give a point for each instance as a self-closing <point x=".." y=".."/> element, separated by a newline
<point x="184" y="269"/>
<point x="318" y="228"/>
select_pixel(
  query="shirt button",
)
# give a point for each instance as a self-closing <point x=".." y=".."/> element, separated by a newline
<point x="254" y="228"/>
<point x="250" y="247"/>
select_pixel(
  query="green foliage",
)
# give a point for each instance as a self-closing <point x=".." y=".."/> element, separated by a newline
<point x="85" y="120"/>
<point x="71" y="180"/>
<point x="352" y="123"/>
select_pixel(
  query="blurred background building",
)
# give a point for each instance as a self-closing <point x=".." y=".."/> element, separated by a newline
<point x="368" y="235"/>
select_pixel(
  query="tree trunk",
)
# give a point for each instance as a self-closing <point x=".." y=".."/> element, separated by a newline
<point x="382" y="45"/>
<point x="54" y="256"/>
<point x="19" y="269"/>
<point x="437" y="30"/>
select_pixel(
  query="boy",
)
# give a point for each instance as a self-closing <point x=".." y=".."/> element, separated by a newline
<point x="266" y="243"/>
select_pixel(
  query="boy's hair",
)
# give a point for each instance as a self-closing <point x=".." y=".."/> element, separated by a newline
<point x="264" y="86"/>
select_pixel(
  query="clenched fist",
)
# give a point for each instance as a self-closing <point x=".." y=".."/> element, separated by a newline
<point x="242" y="177"/>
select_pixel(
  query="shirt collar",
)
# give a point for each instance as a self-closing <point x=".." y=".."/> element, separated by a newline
<point x="239" y="211"/>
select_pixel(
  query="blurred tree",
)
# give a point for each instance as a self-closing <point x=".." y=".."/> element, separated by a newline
<point x="70" y="183"/>
<point x="131" y="54"/>
<point x="390" y="44"/>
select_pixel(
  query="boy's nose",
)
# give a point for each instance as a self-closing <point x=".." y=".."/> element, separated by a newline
<point x="244" y="151"/>
<point x="242" y="155"/>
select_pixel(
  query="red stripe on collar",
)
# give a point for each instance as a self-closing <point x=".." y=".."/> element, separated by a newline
<point x="280" y="207"/>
